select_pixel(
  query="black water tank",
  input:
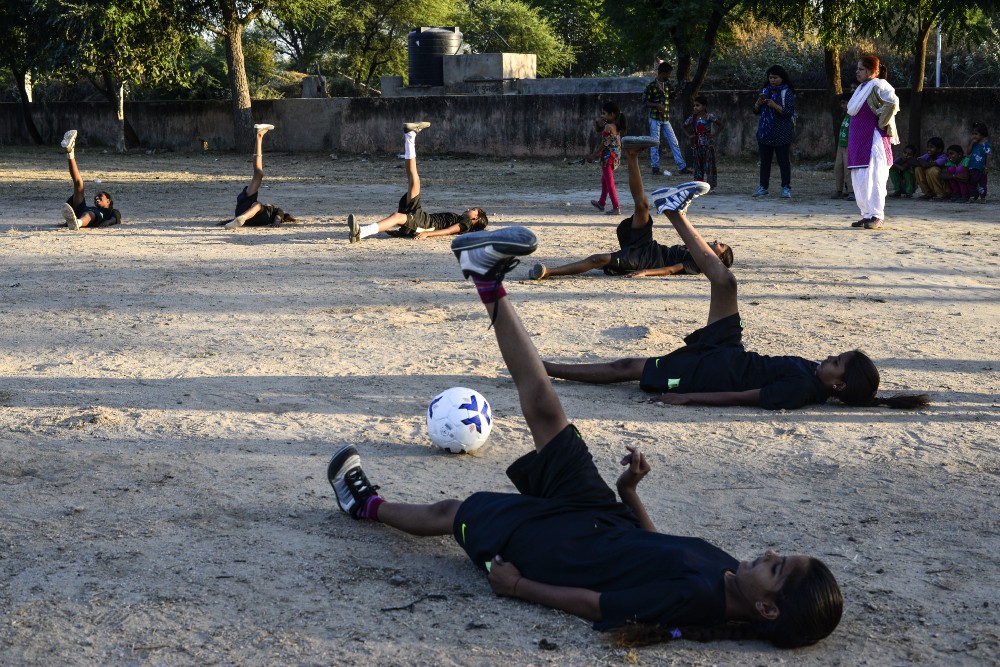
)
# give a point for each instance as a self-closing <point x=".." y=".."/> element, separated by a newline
<point x="427" y="48"/>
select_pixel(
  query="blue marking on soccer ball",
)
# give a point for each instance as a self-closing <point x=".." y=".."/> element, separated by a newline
<point x="430" y="408"/>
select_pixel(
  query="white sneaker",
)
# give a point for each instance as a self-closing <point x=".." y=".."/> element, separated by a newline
<point x="69" y="141"/>
<point x="69" y="215"/>
<point x="260" y="128"/>
<point x="236" y="222"/>
<point x="490" y="255"/>
<point x="678" y="198"/>
<point x="415" y="127"/>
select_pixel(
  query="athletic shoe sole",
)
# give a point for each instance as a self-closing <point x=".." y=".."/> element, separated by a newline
<point x="68" y="140"/>
<point x="263" y="126"/>
<point x="352" y="225"/>
<point x="69" y="215"/>
<point x="639" y="142"/>
<point x="677" y="198"/>
<point x="415" y="127"/>
<point x="347" y="457"/>
<point x="537" y="272"/>
<point x="515" y="241"/>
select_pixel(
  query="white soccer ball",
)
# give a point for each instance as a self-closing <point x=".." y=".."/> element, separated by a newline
<point x="459" y="420"/>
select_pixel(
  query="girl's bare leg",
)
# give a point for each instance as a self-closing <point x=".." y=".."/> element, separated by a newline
<point x="574" y="268"/>
<point x="422" y="520"/>
<point x="539" y="403"/>
<point x="74" y="173"/>
<point x="608" y="372"/>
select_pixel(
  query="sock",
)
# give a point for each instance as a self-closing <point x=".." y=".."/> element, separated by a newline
<point x="370" y="509"/>
<point x="71" y="155"/>
<point x="369" y="230"/>
<point x="409" y="145"/>
<point x="490" y="291"/>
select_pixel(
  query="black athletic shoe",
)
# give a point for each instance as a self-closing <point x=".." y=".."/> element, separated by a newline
<point x="678" y="198"/>
<point x="490" y="255"/>
<point x="355" y="230"/>
<point x="348" y="481"/>
<point x="860" y="223"/>
<point x="537" y="272"/>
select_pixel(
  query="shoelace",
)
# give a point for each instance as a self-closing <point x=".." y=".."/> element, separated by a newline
<point x="358" y="484"/>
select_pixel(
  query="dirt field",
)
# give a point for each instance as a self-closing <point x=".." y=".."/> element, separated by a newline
<point x="171" y="393"/>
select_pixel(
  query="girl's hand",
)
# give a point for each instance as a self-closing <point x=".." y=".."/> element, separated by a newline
<point x="670" y="399"/>
<point x="637" y="468"/>
<point x="503" y="577"/>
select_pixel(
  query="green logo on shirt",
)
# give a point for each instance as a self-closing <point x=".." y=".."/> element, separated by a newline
<point x="673" y="383"/>
<point x="463" y="532"/>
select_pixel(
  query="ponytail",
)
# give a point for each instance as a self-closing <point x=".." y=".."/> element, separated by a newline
<point x="861" y="381"/>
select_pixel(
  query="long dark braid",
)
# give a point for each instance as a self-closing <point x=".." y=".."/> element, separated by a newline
<point x="810" y="607"/>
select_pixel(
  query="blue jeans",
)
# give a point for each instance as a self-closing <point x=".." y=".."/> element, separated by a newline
<point x="662" y="127"/>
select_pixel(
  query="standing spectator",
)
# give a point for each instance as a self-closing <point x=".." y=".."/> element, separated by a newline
<point x="702" y="128"/>
<point x="840" y="163"/>
<point x="656" y="100"/>
<point x="775" y="130"/>
<point x="873" y="107"/>
<point x="611" y="124"/>
<point x="979" y="159"/>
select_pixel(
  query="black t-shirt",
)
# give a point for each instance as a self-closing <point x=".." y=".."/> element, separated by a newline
<point x="715" y="360"/>
<point x="571" y="530"/>
<point x="446" y="220"/>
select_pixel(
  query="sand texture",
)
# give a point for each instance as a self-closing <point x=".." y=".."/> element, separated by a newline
<point x="170" y="394"/>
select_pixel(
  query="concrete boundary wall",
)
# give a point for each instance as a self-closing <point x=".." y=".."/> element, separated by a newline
<point x="552" y="125"/>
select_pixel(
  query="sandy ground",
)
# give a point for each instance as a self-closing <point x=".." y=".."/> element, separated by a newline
<point x="171" y="393"/>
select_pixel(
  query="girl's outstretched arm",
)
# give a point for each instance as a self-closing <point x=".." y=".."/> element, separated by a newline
<point x="721" y="398"/>
<point x="507" y="581"/>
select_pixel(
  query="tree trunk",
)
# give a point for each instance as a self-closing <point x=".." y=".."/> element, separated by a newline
<point x="240" y="86"/>
<point x="917" y="90"/>
<point x="831" y="64"/>
<point x="116" y="96"/>
<point x="23" y="77"/>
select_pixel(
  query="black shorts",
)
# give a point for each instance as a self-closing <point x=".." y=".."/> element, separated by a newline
<point x="627" y="236"/>
<point x="416" y="219"/>
<point x="262" y="218"/>
<point x="78" y="209"/>
<point x="660" y="373"/>
<point x="560" y="478"/>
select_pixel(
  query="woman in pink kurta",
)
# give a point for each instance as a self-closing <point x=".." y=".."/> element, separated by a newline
<point x="872" y="131"/>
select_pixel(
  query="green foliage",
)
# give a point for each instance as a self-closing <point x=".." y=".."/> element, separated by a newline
<point x="304" y="32"/>
<point x="492" y="26"/>
<point x="587" y="29"/>
<point x="371" y="39"/>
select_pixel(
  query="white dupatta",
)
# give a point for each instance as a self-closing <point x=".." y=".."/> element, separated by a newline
<point x="881" y="99"/>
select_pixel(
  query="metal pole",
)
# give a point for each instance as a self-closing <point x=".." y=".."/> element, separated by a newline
<point x="937" y="60"/>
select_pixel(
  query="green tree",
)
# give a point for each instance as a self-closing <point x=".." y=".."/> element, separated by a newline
<point x="23" y="46"/>
<point x="913" y="20"/>
<point x="371" y="38"/>
<point x="586" y="28"/>
<point x="117" y="45"/>
<point x="513" y="26"/>
<point x="304" y="32"/>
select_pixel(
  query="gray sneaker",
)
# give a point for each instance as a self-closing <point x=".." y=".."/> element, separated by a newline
<point x="678" y="198"/>
<point x="69" y="215"/>
<point x="349" y="481"/>
<point x="491" y="255"/>
<point x="69" y="141"/>
<point x="355" y="230"/>
<point x="639" y="142"/>
<point x="537" y="272"/>
<point x="415" y="127"/>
